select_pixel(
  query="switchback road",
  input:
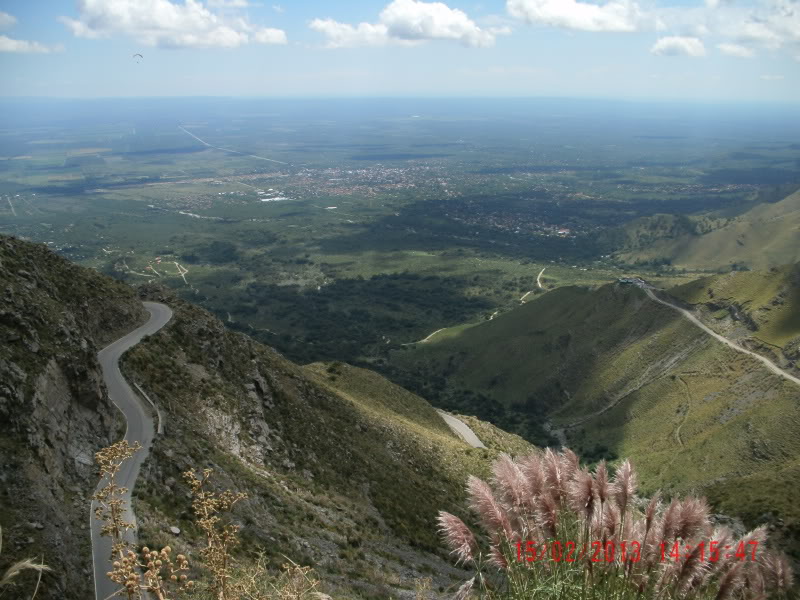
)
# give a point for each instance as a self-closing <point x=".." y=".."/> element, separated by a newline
<point x="765" y="361"/>
<point x="139" y="428"/>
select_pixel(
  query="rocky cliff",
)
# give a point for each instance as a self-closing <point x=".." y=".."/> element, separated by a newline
<point x="54" y="411"/>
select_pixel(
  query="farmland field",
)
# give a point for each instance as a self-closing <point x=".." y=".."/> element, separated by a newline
<point x="343" y="229"/>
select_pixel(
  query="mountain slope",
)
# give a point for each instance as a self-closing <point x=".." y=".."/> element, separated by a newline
<point x="524" y="362"/>
<point x="627" y="376"/>
<point x="759" y="309"/>
<point x="345" y="471"/>
<point x="55" y="414"/>
<point x="766" y="235"/>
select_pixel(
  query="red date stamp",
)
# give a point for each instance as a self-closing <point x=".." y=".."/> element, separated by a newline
<point x="631" y="551"/>
<point x="569" y="551"/>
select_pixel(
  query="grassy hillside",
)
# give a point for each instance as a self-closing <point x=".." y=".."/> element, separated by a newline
<point x="758" y="308"/>
<point x="526" y="363"/>
<point x="376" y="395"/>
<point x="624" y="376"/>
<point x="345" y="470"/>
<point x="764" y="236"/>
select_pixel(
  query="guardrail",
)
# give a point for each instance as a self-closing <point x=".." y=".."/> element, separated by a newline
<point x="160" y="428"/>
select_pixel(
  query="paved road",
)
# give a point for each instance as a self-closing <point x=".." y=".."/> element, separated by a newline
<point x="462" y="429"/>
<point x="139" y="428"/>
<point x="229" y="150"/>
<point x="697" y="322"/>
<point x="765" y="361"/>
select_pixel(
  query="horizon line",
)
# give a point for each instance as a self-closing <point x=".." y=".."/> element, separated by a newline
<point x="462" y="97"/>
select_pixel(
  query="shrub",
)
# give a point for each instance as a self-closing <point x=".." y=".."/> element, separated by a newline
<point x="154" y="572"/>
<point x="8" y="578"/>
<point x="555" y="530"/>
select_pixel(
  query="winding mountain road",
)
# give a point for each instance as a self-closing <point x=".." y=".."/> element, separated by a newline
<point x="698" y="323"/>
<point x="139" y="428"/>
<point x="462" y="429"/>
<point x="765" y="361"/>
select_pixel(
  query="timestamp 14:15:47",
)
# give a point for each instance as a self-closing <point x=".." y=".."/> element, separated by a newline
<point x="710" y="551"/>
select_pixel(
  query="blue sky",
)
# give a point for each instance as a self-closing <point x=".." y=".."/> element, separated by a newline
<point x="706" y="50"/>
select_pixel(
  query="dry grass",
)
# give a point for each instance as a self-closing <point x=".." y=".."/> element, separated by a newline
<point x="156" y="572"/>
<point x="548" y="497"/>
<point x="10" y="575"/>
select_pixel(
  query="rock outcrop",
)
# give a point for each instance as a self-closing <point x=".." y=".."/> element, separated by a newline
<point x="54" y="410"/>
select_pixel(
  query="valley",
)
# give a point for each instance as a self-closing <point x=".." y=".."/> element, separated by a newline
<point x="372" y="301"/>
<point x="372" y="229"/>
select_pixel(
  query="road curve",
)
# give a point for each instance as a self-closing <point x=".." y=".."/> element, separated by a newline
<point x="462" y="429"/>
<point x="697" y="322"/>
<point x="139" y="428"/>
<point x="765" y="361"/>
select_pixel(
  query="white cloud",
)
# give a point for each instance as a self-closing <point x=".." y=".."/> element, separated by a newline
<point x="773" y="24"/>
<point x="414" y="20"/>
<point x="678" y="46"/>
<point x="736" y="50"/>
<point x="757" y="32"/>
<point x="616" y="15"/>
<point x="270" y="36"/>
<point x="408" y="22"/>
<point x="770" y="23"/>
<point x="7" y="20"/>
<point x="228" y="3"/>
<point x="168" y="24"/>
<point x="344" y="35"/>
<point x="278" y="8"/>
<point x="8" y="44"/>
<point x="772" y="77"/>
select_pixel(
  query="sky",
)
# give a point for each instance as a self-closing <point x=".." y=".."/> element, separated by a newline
<point x="705" y="50"/>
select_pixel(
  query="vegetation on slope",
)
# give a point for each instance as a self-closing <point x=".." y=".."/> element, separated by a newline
<point x="766" y="235"/>
<point x="555" y="530"/>
<point x="760" y="309"/>
<point x="345" y="471"/>
<point x="527" y="363"/>
<point x="623" y="375"/>
<point x="142" y="572"/>
<point x="347" y="480"/>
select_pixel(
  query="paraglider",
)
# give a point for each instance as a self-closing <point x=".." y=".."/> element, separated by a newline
<point x="138" y="57"/>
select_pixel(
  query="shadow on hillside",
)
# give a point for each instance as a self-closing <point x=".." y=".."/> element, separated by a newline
<point x="437" y="225"/>
<point x="347" y="318"/>
<point x="529" y="363"/>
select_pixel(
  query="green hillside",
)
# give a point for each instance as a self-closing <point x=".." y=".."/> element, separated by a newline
<point x="760" y="309"/>
<point x="345" y="471"/>
<point x="524" y="363"/>
<point x="624" y="376"/>
<point x="377" y="396"/>
<point x="764" y="236"/>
